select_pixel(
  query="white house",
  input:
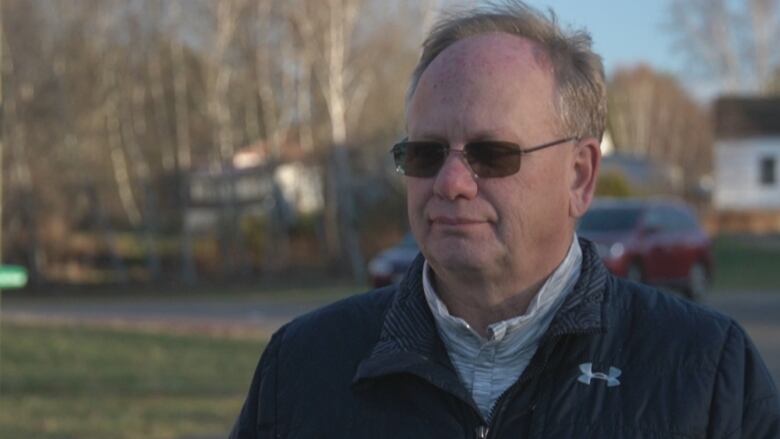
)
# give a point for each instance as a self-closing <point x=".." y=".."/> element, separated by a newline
<point x="253" y="185"/>
<point x="747" y="155"/>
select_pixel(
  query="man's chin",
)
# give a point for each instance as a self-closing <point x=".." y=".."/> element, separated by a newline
<point x="458" y="260"/>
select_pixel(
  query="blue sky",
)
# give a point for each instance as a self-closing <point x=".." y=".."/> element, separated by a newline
<point x="624" y="32"/>
<point x="628" y="32"/>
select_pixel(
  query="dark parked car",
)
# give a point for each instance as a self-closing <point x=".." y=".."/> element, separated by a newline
<point x="653" y="241"/>
<point x="389" y="266"/>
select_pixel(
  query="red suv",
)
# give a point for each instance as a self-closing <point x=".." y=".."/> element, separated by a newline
<point x="653" y="241"/>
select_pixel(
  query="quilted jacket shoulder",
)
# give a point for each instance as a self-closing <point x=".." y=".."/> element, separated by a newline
<point x="620" y="360"/>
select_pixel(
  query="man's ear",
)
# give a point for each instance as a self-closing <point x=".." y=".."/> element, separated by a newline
<point x="585" y="166"/>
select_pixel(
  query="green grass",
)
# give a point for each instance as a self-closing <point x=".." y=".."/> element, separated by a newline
<point x="75" y="382"/>
<point x="745" y="263"/>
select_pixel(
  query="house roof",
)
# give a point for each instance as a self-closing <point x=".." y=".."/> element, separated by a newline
<point x="739" y="117"/>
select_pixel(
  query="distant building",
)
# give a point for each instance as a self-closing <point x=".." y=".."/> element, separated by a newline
<point x="254" y="185"/>
<point x="747" y="163"/>
<point x="607" y="146"/>
<point x="644" y="176"/>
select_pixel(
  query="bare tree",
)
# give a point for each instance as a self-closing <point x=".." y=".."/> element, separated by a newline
<point x="730" y="41"/>
<point x="276" y="72"/>
<point x="652" y="116"/>
<point x="113" y="98"/>
<point x="155" y="83"/>
<point x="765" y="22"/>
<point x="220" y="69"/>
<point x="113" y="127"/>
<point x="773" y="87"/>
<point x="325" y="30"/>
<point x="180" y="88"/>
<point x="2" y="126"/>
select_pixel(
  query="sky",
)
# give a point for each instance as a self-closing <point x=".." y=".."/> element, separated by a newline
<point x="624" y="32"/>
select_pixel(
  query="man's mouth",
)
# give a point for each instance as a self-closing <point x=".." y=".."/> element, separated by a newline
<point x="455" y="221"/>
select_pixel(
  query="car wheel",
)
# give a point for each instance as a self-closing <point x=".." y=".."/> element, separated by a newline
<point x="698" y="282"/>
<point x="634" y="273"/>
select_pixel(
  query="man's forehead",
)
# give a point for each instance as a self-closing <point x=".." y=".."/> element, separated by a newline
<point x="486" y="55"/>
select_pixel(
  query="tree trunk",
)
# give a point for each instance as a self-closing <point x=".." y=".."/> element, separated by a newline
<point x="341" y="219"/>
<point x="183" y="146"/>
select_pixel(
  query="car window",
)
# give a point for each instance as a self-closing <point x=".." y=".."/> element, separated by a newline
<point x="681" y="220"/>
<point x="609" y="219"/>
<point x="669" y="219"/>
<point x="655" y="219"/>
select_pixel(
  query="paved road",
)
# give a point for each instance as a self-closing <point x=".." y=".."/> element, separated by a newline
<point x="759" y="313"/>
<point x="244" y="314"/>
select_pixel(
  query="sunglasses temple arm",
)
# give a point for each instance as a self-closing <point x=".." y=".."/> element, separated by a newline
<point x="547" y="145"/>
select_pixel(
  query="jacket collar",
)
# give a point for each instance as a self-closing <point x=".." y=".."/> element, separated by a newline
<point x="584" y="310"/>
<point x="409" y="341"/>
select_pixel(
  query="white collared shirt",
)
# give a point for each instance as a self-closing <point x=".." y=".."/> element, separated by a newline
<point x="487" y="367"/>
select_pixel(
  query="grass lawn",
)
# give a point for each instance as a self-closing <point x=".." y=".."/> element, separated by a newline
<point x="747" y="263"/>
<point x="75" y="382"/>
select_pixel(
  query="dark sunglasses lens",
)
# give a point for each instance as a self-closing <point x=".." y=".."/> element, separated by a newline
<point x="419" y="159"/>
<point x="493" y="159"/>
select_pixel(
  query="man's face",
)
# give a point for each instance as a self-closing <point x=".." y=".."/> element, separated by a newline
<point x="490" y="87"/>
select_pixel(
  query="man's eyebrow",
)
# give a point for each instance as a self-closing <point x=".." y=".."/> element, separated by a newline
<point x="490" y="134"/>
<point x="495" y="134"/>
<point x="428" y="136"/>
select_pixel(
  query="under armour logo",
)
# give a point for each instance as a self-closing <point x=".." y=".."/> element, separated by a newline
<point x="588" y="375"/>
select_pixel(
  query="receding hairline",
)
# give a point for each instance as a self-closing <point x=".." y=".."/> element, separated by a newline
<point x="577" y="72"/>
<point x="518" y="50"/>
<point x="539" y="54"/>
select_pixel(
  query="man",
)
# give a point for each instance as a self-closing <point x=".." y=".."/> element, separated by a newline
<point x="508" y="325"/>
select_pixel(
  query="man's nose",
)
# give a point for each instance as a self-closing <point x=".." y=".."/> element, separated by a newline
<point x="455" y="178"/>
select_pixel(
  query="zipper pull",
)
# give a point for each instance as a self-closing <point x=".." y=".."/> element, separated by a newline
<point x="482" y="432"/>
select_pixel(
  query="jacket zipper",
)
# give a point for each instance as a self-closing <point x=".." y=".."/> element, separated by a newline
<point x="498" y="409"/>
<point x="500" y="406"/>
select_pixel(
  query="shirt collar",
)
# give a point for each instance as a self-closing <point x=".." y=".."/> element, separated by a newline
<point x="545" y="302"/>
<point x="409" y="342"/>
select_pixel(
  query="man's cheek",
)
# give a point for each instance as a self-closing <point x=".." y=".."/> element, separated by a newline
<point x="415" y="204"/>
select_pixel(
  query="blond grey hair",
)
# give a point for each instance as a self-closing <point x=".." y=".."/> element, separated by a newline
<point x="580" y="89"/>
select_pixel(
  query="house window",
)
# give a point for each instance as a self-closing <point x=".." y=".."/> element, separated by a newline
<point x="768" y="171"/>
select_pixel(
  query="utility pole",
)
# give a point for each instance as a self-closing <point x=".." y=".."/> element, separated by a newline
<point x="2" y="132"/>
<point x="2" y="151"/>
<point x="10" y="276"/>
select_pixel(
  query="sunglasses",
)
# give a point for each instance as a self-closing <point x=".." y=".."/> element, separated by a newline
<point x="487" y="159"/>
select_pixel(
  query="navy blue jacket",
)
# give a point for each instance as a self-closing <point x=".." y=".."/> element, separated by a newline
<point x="619" y="360"/>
